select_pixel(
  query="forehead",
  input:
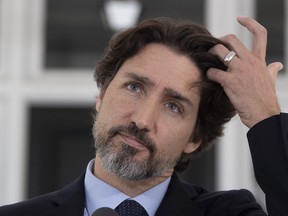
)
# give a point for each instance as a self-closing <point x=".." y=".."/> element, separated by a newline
<point x="163" y="65"/>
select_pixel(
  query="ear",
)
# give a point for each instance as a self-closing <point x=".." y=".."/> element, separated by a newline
<point x="98" y="103"/>
<point x="99" y="100"/>
<point x="191" y="147"/>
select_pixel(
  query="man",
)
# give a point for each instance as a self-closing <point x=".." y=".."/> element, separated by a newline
<point x="163" y="98"/>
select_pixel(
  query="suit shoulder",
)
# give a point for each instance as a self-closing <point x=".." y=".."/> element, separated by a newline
<point x="31" y="207"/>
<point x="236" y="202"/>
<point x="71" y="198"/>
<point x="191" y="189"/>
<point x="233" y="202"/>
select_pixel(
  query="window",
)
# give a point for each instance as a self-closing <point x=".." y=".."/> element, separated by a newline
<point x="76" y="34"/>
<point x="272" y="16"/>
<point x="60" y="146"/>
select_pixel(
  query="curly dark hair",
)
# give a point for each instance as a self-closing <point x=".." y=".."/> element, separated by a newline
<point x="187" y="38"/>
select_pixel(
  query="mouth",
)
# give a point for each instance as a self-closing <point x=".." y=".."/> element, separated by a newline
<point x="132" y="141"/>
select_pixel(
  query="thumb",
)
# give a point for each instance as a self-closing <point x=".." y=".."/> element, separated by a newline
<point x="274" y="68"/>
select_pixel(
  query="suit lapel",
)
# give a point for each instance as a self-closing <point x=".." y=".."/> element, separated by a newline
<point x="70" y="200"/>
<point x="177" y="201"/>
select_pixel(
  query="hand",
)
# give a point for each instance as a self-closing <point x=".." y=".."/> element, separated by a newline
<point x="249" y="82"/>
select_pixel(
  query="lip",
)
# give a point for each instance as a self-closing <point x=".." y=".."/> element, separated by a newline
<point x="133" y="142"/>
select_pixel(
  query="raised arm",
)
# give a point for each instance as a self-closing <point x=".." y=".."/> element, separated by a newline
<point x="268" y="141"/>
<point x="250" y="85"/>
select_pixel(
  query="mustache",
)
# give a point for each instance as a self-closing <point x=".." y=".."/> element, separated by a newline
<point x="132" y="130"/>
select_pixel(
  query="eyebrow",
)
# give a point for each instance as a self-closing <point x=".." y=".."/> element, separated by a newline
<point x="168" y="91"/>
<point x="142" y="79"/>
<point x="176" y="95"/>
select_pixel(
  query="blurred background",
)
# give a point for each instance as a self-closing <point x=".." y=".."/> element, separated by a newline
<point x="48" y="51"/>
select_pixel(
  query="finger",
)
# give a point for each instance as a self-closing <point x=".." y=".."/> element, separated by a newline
<point x="221" y="51"/>
<point x="237" y="45"/>
<point x="217" y="75"/>
<point x="259" y="35"/>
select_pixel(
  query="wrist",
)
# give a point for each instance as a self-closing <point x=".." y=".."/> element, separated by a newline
<point x="260" y="116"/>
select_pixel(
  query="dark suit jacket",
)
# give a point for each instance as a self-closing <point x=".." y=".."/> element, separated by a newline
<point x="268" y="142"/>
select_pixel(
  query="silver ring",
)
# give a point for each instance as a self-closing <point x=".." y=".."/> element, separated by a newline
<point x="229" y="57"/>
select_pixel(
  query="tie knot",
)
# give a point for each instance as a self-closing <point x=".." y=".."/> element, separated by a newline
<point x="130" y="208"/>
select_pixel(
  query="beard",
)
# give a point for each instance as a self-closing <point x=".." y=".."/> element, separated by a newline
<point x="121" y="159"/>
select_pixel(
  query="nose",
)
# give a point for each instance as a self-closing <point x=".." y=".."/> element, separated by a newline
<point x="145" y="116"/>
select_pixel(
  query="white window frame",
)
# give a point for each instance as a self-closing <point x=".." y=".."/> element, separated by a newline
<point x="25" y="82"/>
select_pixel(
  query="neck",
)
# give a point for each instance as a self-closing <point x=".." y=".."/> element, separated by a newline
<point x="130" y="188"/>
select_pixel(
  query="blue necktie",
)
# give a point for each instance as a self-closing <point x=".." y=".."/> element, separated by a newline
<point x="130" y="208"/>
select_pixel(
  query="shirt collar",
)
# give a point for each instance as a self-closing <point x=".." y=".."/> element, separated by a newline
<point x="100" y="194"/>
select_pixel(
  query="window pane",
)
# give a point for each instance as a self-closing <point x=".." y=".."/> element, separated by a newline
<point x="60" y="146"/>
<point x="271" y="15"/>
<point x="171" y="8"/>
<point x="76" y="35"/>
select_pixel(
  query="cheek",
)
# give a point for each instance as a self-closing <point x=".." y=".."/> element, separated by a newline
<point x="178" y="129"/>
<point x="114" y="110"/>
<point x="175" y="139"/>
<point x="178" y="133"/>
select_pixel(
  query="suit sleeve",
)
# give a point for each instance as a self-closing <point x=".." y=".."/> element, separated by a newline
<point x="268" y="141"/>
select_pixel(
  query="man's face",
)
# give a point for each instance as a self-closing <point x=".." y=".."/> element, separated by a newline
<point x="147" y="114"/>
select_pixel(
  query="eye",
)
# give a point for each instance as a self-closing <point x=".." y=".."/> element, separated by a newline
<point x="133" y="87"/>
<point x="174" y="107"/>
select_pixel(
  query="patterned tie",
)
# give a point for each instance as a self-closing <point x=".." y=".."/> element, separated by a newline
<point x="130" y="208"/>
